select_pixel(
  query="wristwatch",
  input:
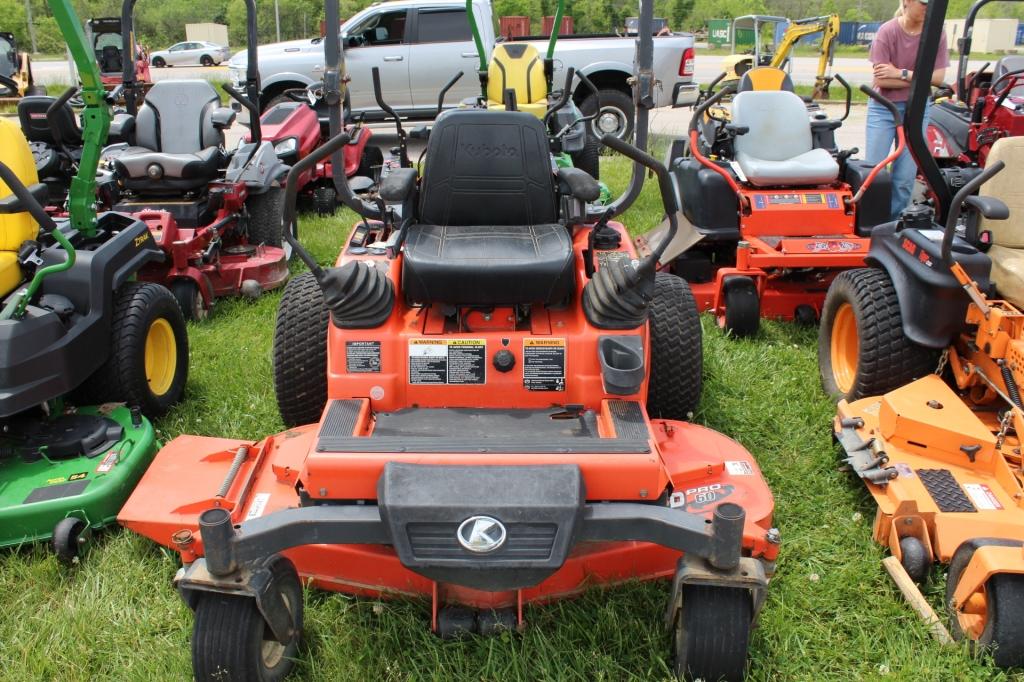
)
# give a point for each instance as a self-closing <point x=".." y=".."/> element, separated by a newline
<point x="905" y="74"/>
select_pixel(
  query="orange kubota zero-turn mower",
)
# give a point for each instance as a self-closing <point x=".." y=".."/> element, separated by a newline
<point x="486" y="412"/>
<point x="778" y="210"/>
<point x="926" y="351"/>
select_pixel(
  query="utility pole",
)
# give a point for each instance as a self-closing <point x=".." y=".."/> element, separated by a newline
<point x="31" y="25"/>
<point x="277" y="19"/>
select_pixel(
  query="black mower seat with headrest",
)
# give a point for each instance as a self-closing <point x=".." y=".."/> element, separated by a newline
<point x="488" y="231"/>
<point x="178" y="137"/>
<point x="32" y="115"/>
<point x="1009" y="64"/>
<point x="110" y="59"/>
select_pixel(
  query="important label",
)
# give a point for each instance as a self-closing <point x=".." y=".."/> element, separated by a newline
<point x="447" y="361"/>
<point x="982" y="496"/>
<point x="362" y="357"/>
<point x="544" y="364"/>
<point x="739" y="468"/>
<point x="259" y="505"/>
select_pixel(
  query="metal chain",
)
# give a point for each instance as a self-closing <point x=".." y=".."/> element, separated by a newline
<point x="1004" y="426"/>
<point x="943" y="359"/>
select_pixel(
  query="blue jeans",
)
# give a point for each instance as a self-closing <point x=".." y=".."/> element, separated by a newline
<point x="881" y="134"/>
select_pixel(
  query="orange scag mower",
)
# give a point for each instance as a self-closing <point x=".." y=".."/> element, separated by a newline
<point x="486" y="410"/>
<point x="926" y="351"/>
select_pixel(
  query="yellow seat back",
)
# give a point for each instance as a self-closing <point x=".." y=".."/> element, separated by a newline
<point x="765" y="78"/>
<point x="518" y="67"/>
<point x="15" y="228"/>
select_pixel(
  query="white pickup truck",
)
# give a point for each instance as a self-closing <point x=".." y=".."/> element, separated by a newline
<point x="418" y="45"/>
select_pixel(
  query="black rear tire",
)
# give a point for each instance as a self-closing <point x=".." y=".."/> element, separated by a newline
<point x="142" y="310"/>
<point x="231" y="641"/>
<point x="300" y="352"/>
<point x="371" y="163"/>
<point x="588" y="159"/>
<point x="742" y="315"/>
<point x="325" y="201"/>
<point x="885" y="358"/>
<point x="677" y="361"/>
<point x="712" y="633"/>
<point x="1004" y="592"/>
<point x="265" y="217"/>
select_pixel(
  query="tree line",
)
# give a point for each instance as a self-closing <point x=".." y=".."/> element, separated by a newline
<point x="160" y="24"/>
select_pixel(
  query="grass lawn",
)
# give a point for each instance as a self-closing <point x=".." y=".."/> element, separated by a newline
<point x="832" y="613"/>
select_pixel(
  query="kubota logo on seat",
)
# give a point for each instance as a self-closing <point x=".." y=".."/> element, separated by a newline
<point x="498" y="151"/>
<point x="481" y="534"/>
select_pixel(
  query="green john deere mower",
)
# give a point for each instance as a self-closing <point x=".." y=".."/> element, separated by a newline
<point x="86" y="352"/>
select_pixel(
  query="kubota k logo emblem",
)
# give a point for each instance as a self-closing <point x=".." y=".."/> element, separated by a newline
<point x="481" y="534"/>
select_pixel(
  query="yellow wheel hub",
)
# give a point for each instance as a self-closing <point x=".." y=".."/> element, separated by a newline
<point x="161" y="356"/>
<point x="844" y="348"/>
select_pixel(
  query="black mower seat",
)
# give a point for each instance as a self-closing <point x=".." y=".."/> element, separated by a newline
<point x="488" y="231"/>
<point x="32" y="116"/>
<point x="1008" y="64"/>
<point x="179" y="136"/>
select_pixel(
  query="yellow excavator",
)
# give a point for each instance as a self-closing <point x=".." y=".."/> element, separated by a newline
<point x="766" y="54"/>
<point x="15" y="71"/>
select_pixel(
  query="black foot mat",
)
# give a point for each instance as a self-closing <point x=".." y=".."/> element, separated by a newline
<point x="944" y="489"/>
<point x="629" y="420"/>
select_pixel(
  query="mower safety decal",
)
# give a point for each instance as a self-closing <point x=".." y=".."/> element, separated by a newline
<point x="108" y="462"/>
<point x="259" y="504"/>
<point x="544" y="364"/>
<point x="362" y="357"/>
<point x="739" y="468"/>
<point x="447" y="361"/>
<point x="982" y="496"/>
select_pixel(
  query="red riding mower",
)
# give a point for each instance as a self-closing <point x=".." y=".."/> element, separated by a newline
<point x="774" y="209"/>
<point x="989" y="106"/>
<point x="496" y="411"/>
<point x="112" y="38"/>
<point x="928" y="359"/>
<point x="296" y="130"/>
<point x="216" y="214"/>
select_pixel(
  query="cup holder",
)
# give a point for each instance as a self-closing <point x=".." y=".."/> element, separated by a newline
<point x="622" y="364"/>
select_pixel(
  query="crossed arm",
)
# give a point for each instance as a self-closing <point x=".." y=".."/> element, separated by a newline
<point x="888" y="76"/>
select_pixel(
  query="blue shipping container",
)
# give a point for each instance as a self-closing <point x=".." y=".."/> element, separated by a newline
<point x="848" y="32"/>
<point x="1020" y="34"/>
<point x="866" y="32"/>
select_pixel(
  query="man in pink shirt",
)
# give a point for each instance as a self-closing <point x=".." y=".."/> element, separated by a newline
<point x="893" y="55"/>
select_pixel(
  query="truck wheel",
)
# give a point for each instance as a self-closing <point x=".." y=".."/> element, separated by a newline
<point x="615" y="115"/>
<point x="862" y="350"/>
<point x="588" y="159"/>
<point x="992" y="618"/>
<point x="231" y="641"/>
<point x="265" y="217"/>
<point x="674" y="387"/>
<point x="300" y="352"/>
<point x="712" y="633"/>
<point x="147" y="364"/>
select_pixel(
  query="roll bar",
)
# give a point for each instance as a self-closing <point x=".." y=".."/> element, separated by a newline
<point x="963" y="44"/>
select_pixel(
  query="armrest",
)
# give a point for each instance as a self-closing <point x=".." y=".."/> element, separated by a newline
<point x="990" y="207"/>
<point x="578" y="183"/>
<point x="11" y="204"/>
<point x="223" y="117"/>
<point x="398" y="185"/>
<point x="121" y="127"/>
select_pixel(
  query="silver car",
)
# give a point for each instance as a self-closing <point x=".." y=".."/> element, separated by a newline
<point x="190" y="53"/>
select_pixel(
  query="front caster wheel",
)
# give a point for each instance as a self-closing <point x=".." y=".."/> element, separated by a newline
<point x="742" y="314"/>
<point x="69" y="539"/>
<point x="915" y="559"/>
<point x="231" y="641"/>
<point x="712" y="633"/>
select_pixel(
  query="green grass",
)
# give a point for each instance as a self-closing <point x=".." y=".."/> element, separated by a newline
<point x="832" y="613"/>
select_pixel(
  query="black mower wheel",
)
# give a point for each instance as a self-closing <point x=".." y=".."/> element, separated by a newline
<point x="68" y="540"/>
<point x="588" y="159"/>
<point x="300" y="352"/>
<point x="158" y="62"/>
<point x="1001" y="618"/>
<point x="206" y="60"/>
<point x="914" y="559"/>
<point x="265" y="211"/>
<point x="712" y="633"/>
<point x="490" y="623"/>
<point x="371" y="163"/>
<point x="147" y="365"/>
<point x="190" y="300"/>
<point x="673" y="391"/>
<point x="805" y="315"/>
<point x="231" y="641"/>
<point x="862" y="350"/>
<point x="325" y="201"/>
<point x="742" y="316"/>
<point x="455" y="622"/>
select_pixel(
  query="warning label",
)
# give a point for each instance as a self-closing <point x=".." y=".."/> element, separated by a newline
<point x="544" y="364"/>
<point x="606" y="258"/>
<point x="362" y="357"/>
<point x="739" y="468"/>
<point x="982" y="496"/>
<point x="447" y="361"/>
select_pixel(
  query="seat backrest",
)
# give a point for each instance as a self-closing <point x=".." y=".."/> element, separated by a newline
<point x="110" y="59"/>
<point x="16" y="228"/>
<point x="765" y="78"/>
<point x="778" y="122"/>
<point x="32" y="115"/>
<point x="488" y="168"/>
<point x="1006" y="185"/>
<point x="518" y="67"/>
<point x="177" y="118"/>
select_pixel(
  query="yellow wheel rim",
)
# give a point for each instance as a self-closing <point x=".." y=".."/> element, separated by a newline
<point x="845" y="348"/>
<point x="161" y="356"/>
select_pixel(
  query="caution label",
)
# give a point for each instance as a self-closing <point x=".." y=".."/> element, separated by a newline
<point x="544" y="364"/>
<point x="362" y="357"/>
<point x="982" y="496"/>
<point x="447" y="361"/>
